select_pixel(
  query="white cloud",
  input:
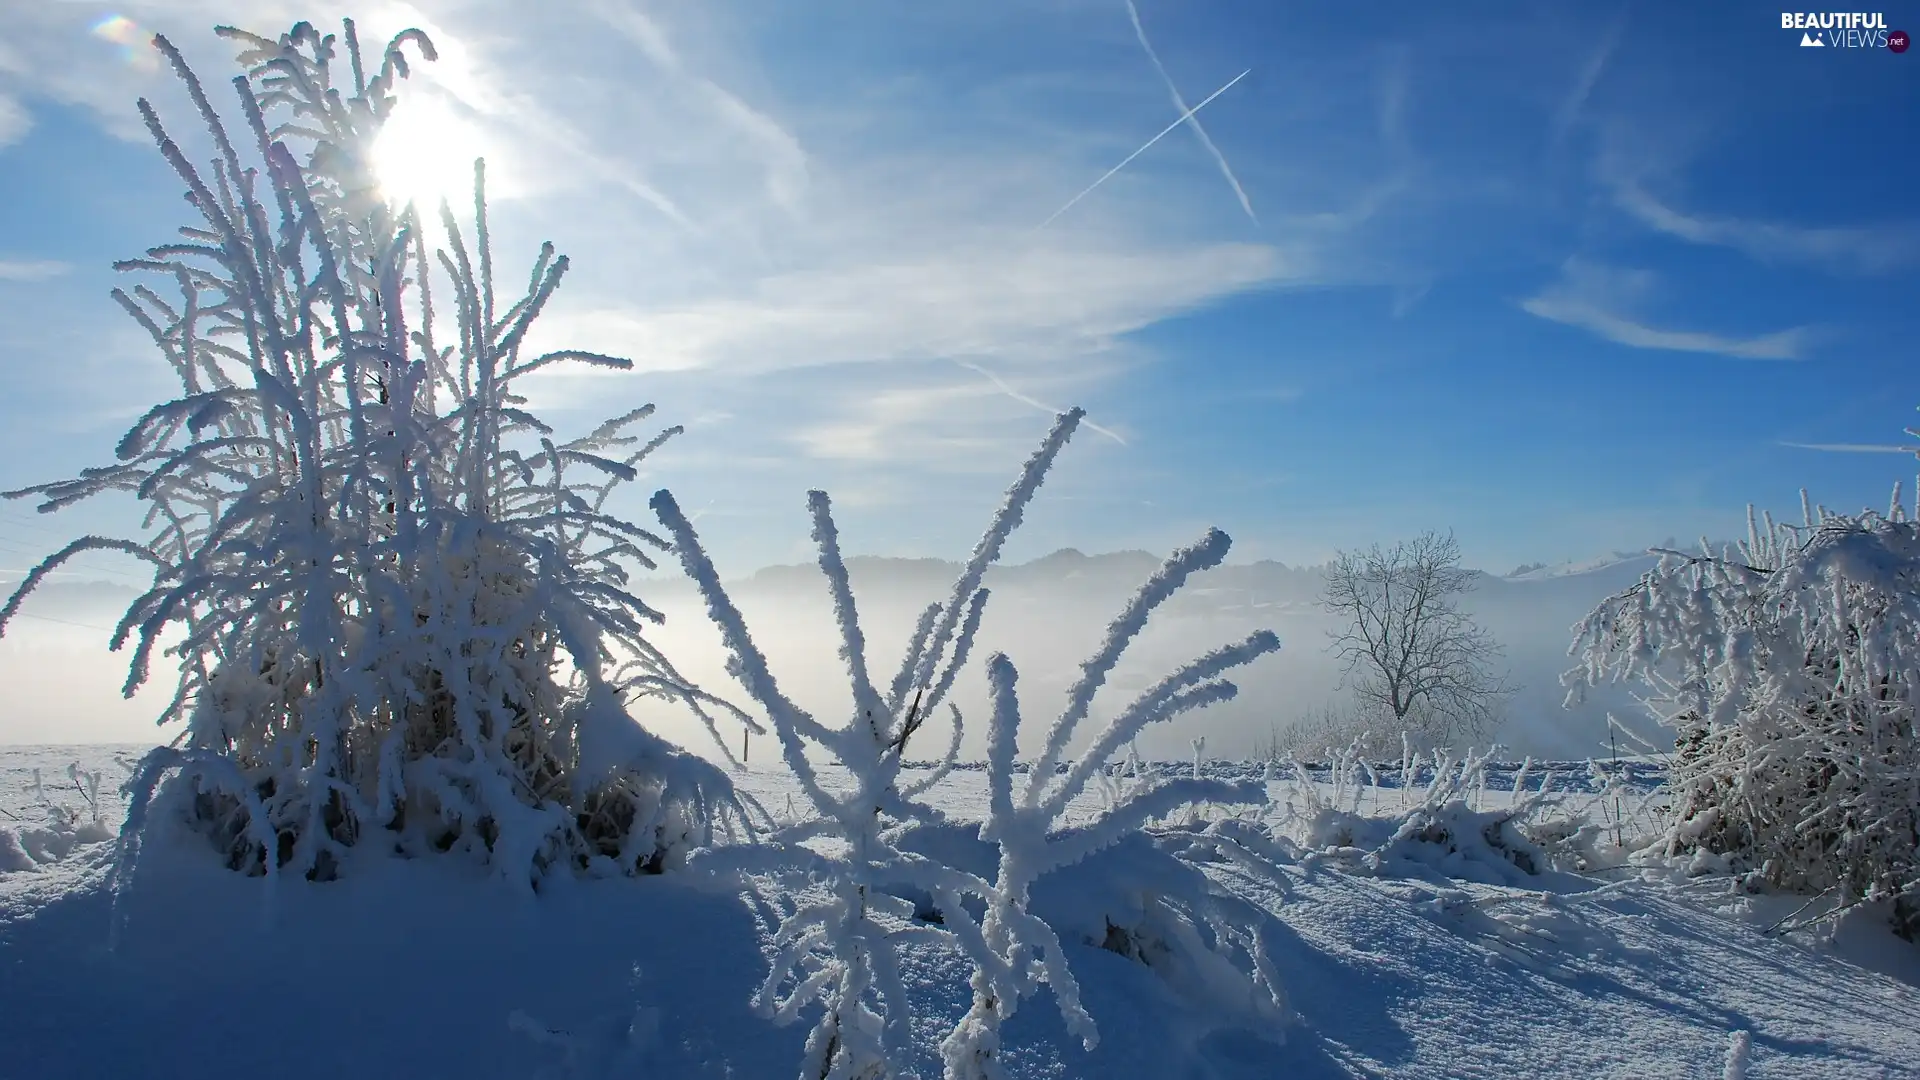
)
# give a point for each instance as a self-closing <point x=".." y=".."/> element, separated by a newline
<point x="77" y="54"/>
<point x="898" y="424"/>
<point x="31" y="269"/>
<point x="1784" y="345"/>
<point x="15" y="121"/>
<point x="706" y="232"/>
<point x="1854" y="448"/>
<point x="784" y="160"/>
<point x="1043" y="303"/>
<point x="1594" y="298"/>
<point x="1365" y="200"/>
<point x="946" y="419"/>
<point x="801" y="264"/>
<point x="1568" y="114"/>
<point x="1875" y="249"/>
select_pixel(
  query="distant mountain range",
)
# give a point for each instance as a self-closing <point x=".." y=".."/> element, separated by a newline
<point x="1256" y="583"/>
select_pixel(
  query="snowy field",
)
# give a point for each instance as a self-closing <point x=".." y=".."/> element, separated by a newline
<point x="421" y="697"/>
<point x="424" y="969"/>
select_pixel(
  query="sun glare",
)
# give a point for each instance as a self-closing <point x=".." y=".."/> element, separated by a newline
<point x="425" y="154"/>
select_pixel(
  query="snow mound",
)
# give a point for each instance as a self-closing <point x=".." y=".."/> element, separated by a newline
<point x="1451" y="840"/>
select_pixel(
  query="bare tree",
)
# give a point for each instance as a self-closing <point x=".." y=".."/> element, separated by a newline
<point x="1413" y="657"/>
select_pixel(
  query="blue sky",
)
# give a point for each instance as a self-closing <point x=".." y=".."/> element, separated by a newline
<point x="1565" y="279"/>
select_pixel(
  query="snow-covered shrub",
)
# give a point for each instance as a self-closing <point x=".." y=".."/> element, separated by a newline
<point x="878" y="863"/>
<point x="1573" y="841"/>
<point x="1787" y="667"/>
<point x="1143" y="897"/>
<point x="63" y="828"/>
<point x="1443" y="833"/>
<point x="401" y="606"/>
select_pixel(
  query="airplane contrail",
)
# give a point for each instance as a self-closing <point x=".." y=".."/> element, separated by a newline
<point x="1180" y="103"/>
<point x="1149" y="144"/>
<point x="1041" y="405"/>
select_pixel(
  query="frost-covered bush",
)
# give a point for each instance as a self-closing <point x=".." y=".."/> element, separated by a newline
<point x="878" y="864"/>
<point x="1787" y="668"/>
<point x="63" y="827"/>
<point x="1441" y="831"/>
<point x="398" y="603"/>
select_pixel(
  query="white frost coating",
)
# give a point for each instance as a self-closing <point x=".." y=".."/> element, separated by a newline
<point x="853" y="643"/>
<point x="1788" y="668"/>
<point x="63" y="831"/>
<point x="398" y="594"/>
<point x="1186" y="688"/>
<point x="1003" y="733"/>
<point x="875" y="853"/>
<point x="791" y="724"/>
<point x="1739" y="1054"/>
<point x="987" y="551"/>
<point x="1204" y="555"/>
<point x="903" y="679"/>
<point x="1034" y="838"/>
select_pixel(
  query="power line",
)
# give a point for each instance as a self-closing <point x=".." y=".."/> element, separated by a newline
<point x="62" y="622"/>
<point x="91" y="568"/>
<point x="26" y="522"/>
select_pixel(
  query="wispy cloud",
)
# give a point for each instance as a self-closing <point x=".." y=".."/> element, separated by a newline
<point x="888" y="243"/>
<point x="1390" y="125"/>
<point x="15" y="121"/>
<point x="1593" y="297"/>
<point x="944" y="425"/>
<point x="1180" y="103"/>
<point x="1568" y="114"/>
<point x="1863" y="250"/>
<point x="991" y="300"/>
<point x="783" y="159"/>
<point x="1407" y="296"/>
<point x="995" y="301"/>
<point x="31" y="270"/>
<point x="1853" y="448"/>
<point x="69" y="53"/>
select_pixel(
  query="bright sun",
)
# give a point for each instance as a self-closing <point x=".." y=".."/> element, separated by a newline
<point x="423" y="154"/>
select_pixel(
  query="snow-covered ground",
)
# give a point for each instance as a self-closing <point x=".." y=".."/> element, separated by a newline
<point x="428" y="969"/>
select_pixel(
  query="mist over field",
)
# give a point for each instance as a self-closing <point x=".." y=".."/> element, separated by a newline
<point x="1048" y="615"/>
